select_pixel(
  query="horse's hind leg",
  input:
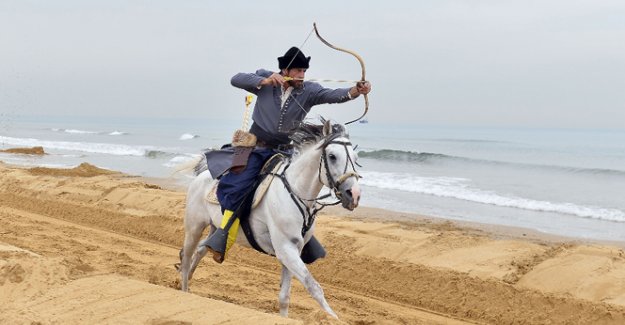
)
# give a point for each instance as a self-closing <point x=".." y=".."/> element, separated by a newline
<point x="191" y="238"/>
<point x="288" y="254"/>
<point x="285" y="291"/>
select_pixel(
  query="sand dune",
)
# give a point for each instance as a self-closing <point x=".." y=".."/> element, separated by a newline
<point x="90" y="246"/>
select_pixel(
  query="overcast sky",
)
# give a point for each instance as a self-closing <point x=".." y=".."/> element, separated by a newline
<point x="529" y="63"/>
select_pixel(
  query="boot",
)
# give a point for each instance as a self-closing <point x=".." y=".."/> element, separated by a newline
<point x="312" y="251"/>
<point x="224" y="237"/>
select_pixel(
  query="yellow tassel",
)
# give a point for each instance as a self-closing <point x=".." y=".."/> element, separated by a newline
<point x="227" y="215"/>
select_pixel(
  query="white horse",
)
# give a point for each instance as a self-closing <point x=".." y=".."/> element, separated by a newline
<point x="283" y="222"/>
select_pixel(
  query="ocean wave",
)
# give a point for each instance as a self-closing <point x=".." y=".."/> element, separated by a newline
<point x="399" y="155"/>
<point x="76" y="131"/>
<point x="91" y="147"/>
<point x="458" y="188"/>
<point x="469" y="140"/>
<point x="427" y="157"/>
<point x="21" y="160"/>
<point x="178" y="161"/>
<point x="157" y="153"/>
<point x="188" y="136"/>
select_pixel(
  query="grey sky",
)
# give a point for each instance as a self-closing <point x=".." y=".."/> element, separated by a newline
<point x="543" y="63"/>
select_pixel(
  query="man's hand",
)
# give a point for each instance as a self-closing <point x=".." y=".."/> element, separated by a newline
<point x="275" y="79"/>
<point x="361" y="88"/>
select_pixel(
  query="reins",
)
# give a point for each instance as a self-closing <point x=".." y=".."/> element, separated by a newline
<point x="309" y="213"/>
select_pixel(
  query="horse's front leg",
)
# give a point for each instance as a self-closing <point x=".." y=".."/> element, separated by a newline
<point x="288" y="253"/>
<point x="285" y="291"/>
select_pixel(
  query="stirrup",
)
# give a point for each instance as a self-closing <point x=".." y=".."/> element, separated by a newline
<point x="216" y="243"/>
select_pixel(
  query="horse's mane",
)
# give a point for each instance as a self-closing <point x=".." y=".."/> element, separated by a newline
<point x="307" y="133"/>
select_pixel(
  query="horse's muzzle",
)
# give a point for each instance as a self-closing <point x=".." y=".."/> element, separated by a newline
<point x="350" y="197"/>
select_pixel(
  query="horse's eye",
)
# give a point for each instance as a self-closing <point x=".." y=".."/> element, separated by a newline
<point x="332" y="157"/>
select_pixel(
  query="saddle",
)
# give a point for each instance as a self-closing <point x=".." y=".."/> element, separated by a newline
<point x="267" y="174"/>
<point x="259" y="188"/>
<point x="313" y="249"/>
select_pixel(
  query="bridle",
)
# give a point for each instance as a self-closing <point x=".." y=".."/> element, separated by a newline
<point x="307" y="210"/>
<point x="335" y="184"/>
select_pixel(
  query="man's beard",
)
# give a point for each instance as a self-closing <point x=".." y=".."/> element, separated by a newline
<point x="297" y="84"/>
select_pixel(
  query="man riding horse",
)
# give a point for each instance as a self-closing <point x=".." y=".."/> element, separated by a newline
<point x="283" y="100"/>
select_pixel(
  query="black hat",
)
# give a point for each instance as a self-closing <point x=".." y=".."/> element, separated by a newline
<point x="293" y="58"/>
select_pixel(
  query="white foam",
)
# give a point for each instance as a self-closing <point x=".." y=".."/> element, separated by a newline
<point x="51" y="165"/>
<point x="188" y="136"/>
<point x="30" y="162"/>
<point x="76" y="131"/>
<point x="180" y="161"/>
<point x="79" y="131"/>
<point x="459" y="188"/>
<point x="104" y="148"/>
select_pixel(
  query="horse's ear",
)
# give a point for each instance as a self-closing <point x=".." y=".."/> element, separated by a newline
<point x="327" y="128"/>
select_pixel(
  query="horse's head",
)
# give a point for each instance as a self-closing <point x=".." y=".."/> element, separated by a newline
<point x="337" y="168"/>
<point x="337" y="160"/>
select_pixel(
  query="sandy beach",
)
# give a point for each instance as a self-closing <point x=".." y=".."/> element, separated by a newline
<point x="87" y="246"/>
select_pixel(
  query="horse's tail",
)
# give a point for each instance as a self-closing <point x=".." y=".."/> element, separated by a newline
<point x="200" y="166"/>
<point x="197" y="165"/>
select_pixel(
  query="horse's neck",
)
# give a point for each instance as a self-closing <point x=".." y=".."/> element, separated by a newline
<point x="303" y="174"/>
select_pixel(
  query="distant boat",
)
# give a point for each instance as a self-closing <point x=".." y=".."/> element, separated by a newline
<point x="363" y="121"/>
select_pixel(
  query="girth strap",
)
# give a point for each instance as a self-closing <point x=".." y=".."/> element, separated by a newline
<point x="247" y="230"/>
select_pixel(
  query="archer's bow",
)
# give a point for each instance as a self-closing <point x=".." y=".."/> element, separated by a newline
<point x="362" y="66"/>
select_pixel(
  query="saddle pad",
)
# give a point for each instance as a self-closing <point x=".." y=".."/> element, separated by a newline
<point x="211" y="196"/>
<point x="264" y="185"/>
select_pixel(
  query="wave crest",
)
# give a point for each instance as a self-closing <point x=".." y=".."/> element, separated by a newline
<point x="428" y="157"/>
<point x="188" y="136"/>
<point x="458" y="188"/>
<point x="91" y="147"/>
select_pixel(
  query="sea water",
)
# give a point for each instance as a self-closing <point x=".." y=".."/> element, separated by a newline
<point x="559" y="181"/>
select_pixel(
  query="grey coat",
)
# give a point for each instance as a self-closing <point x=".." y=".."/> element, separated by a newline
<point x="276" y="120"/>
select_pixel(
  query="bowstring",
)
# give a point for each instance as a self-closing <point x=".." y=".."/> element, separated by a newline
<point x="299" y="50"/>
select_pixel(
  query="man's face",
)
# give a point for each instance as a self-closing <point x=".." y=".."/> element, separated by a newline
<point x="296" y="73"/>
